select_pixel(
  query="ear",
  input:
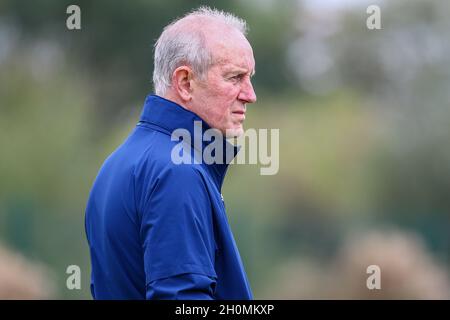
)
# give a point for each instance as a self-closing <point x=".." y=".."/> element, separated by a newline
<point x="181" y="82"/>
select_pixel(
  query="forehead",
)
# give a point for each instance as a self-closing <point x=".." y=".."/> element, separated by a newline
<point x="232" y="52"/>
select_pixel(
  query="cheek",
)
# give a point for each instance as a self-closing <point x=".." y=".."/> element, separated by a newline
<point x="228" y="96"/>
<point x="225" y="90"/>
<point x="222" y="97"/>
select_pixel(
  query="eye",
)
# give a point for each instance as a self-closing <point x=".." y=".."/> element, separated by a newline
<point x="237" y="77"/>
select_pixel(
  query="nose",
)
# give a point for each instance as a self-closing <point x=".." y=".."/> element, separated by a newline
<point x="247" y="94"/>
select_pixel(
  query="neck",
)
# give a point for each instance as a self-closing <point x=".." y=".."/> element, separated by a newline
<point x="169" y="95"/>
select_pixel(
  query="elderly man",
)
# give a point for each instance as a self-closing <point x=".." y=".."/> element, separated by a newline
<point x="157" y="229"/>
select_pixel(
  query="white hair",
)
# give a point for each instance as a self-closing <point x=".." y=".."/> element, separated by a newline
<point x="179" y="46"/>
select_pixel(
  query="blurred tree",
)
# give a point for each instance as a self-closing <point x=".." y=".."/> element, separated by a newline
<point x="114" y="48"/>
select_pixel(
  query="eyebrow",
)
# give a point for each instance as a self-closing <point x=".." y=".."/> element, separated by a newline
<point x="240" y="71"/>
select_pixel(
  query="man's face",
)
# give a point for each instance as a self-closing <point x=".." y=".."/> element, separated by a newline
<point x="221" y="98"/>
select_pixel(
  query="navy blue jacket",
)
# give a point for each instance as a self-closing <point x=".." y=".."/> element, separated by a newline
<point x="158" y="230"/>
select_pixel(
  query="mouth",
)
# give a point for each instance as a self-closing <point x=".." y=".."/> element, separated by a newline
<point x="240" y="114"/>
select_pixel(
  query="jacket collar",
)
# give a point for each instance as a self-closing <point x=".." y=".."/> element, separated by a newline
<point x="170" y="116"/>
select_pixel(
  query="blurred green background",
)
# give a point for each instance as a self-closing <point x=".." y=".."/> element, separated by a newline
<point x="364" y="119"/>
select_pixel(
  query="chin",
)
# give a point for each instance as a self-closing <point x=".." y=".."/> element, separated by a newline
<point x="234" y="132"/>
